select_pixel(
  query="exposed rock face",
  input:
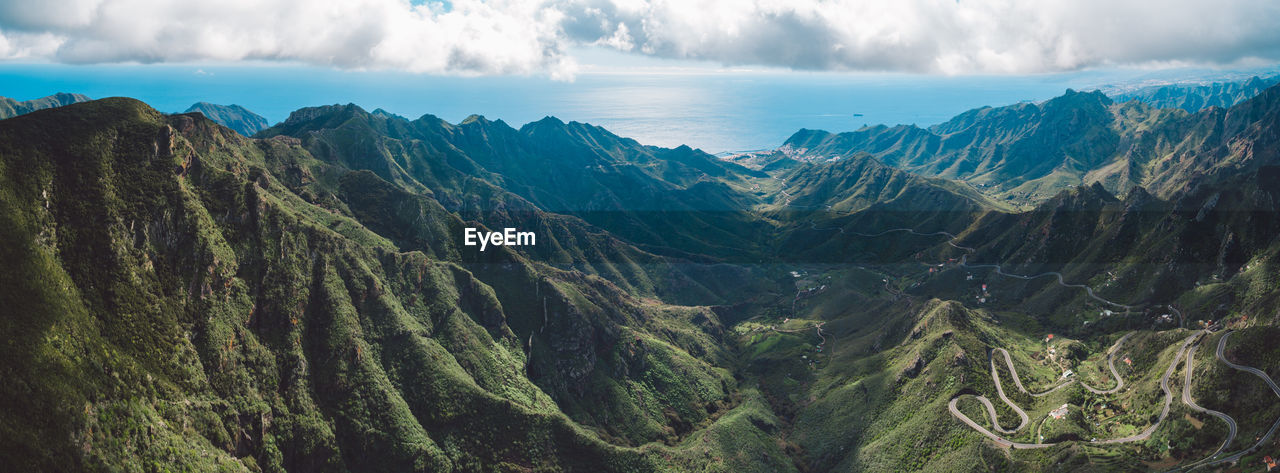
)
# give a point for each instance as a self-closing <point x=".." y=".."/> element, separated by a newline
<point x="913" y="368"/>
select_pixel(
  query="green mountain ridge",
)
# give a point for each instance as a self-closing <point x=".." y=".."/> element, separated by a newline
<point x="211" y="309"/>
<point x="1196" y="97"/>
<point x="1026" y="153"/>
<point x="11" y="108"/>
<point x="234" y="117"/>
<point x="619" y="185"/>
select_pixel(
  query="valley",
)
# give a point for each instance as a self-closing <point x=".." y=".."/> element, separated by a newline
<point x="186" y="297"/>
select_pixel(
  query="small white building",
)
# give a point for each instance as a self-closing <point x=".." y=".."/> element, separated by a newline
<point x="1059" y="412"/>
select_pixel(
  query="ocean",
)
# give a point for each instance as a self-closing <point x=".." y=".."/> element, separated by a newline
<point x="715" y="111"/>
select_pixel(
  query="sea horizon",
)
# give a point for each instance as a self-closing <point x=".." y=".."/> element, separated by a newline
<point x="717" y="112"/>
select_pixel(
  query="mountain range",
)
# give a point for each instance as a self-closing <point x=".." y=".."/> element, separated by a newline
<point x="1026" y="153"/>
<point x="12" y="108"/>
<point x="235" y="117"/>
<point x="182" y="296"/>
<point x="1196" y="97"/>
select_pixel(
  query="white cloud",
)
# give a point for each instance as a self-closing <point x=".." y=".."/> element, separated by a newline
<point x="620" y="40"/>
<point x="951" y="36"/>
<point x="472" y="36"/>
<point x="534" y="36"/>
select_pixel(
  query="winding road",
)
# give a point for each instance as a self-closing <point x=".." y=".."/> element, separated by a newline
<point x="1182" y="322"/>
<point x="1145" y="434"/>
<point x="1018" y="381"/>
<point x="1168" y="394"/>
<point x="1235" y="457"/>
<point x="955" y="411"/>
<point x="1111" y="363"/>
<point x="1232" y="428"/>
<point x="1186" y="349"/>
<point x="1222" y="345"/>
<point x="995" y="376"/>
<point x="1088" y="290"/>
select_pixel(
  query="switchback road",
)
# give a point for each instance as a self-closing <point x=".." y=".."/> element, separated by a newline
<point x="1018" y="381"/>
<point x="1111" y="363"/>
<point x="1235" y="457"/>
<point x="1145" y="434"/>
<point x="1232" y="428"/>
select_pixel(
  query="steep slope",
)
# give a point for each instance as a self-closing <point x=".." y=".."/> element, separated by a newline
<point x="678" y="202"/>
<point x="1026" y="153"/>
<point x="178" y="306"/>
<point x="886" y="411"/>
<point x="421" y="157"/>
<point x="1140" y="251"/>
<point x="1196" y="97"/>
<point x="860" y="182"/>
<point x="234" y="117"/>
<point x="827" y="209"/>
<point x="12" y="108"/>
<point x="865" y="364"/>
<point x="1017" y="150"/>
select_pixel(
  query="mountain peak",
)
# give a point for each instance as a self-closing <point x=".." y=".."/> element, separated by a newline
<point x="307" y="114"/>
<point x="546" y="124"/>
<point x="67" y="98"/>
<point x="485" y="125"/>
<point x="385" y="114"/>
<point x="232" y="116"/>
<point x="805" y="135"/>
<point x="475" y="119"/>
<point x="1074" y="98"/>
<point x="550" y="120"/>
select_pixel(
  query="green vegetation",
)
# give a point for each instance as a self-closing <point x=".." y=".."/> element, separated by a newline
<point x="178" y="307"/>
<point x="12" y="108"/>
<point x="1026" y="153"/>
<point x="182" y="297"/>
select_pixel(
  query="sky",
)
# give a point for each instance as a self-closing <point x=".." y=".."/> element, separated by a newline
<point x="521" y="59"/>
<point x="539" y="36"/>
